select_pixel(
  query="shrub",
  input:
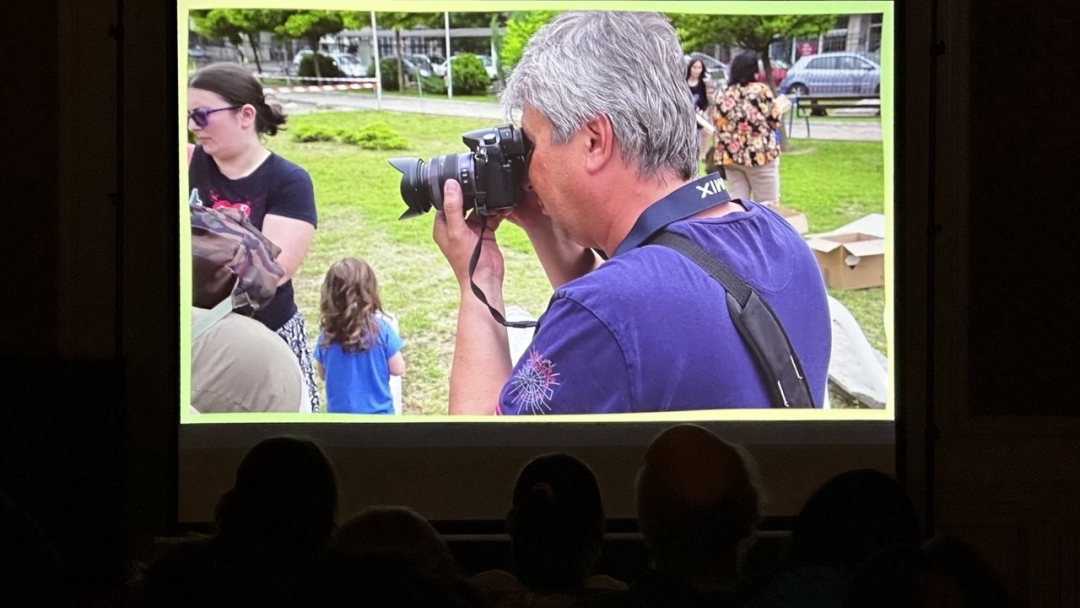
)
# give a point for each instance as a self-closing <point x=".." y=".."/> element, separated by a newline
<point x="376" y="136"/>
<point x="388" y="77"/>
<point x="310" y="133"/>
<point x="469" y="75"/>
<point x="433" y="85"/>
<point x="327" y="67"/>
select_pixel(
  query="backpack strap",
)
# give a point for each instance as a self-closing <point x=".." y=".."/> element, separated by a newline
<point x="217" y="313"/>
<point x="757" y="324"/>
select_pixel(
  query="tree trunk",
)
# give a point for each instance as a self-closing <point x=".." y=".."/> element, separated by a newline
<point x="400" y="59"/>
<point x="254" y="41"/>
<point x="315" y="59"/>
<point x="766" y="64"/>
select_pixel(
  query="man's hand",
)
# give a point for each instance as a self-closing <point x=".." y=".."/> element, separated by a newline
<point x="457" y="235"/>
<point x="563" y="260"/>
<point x="481" y="362"/>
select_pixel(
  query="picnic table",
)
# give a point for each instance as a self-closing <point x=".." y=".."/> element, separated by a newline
<point x="802" y="106"/>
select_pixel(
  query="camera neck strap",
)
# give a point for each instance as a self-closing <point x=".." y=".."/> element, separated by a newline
<point x="757" y="324"/>
<point x="479" y="293"/>
<point x="679" y="205"/>
<point x="691" y="199"/>
<point x="756" y="321"/>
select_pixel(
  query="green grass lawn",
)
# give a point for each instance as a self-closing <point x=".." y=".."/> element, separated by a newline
<point x="359" y="204"/>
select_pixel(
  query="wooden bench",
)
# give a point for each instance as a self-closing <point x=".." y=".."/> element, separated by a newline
<point x="805" y="105"/>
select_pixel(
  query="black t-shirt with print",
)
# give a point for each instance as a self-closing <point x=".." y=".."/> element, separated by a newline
<point x="276" y="187"/>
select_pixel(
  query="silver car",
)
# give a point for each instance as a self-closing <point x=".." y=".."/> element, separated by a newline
<point x="833" y="74"/>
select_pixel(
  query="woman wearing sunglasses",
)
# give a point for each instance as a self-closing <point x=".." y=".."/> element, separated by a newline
<point x="230" y="167"/>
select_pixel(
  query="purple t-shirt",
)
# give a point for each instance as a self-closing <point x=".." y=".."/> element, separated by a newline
<point x="276" y="187"/>
<point x="649" y="330"/>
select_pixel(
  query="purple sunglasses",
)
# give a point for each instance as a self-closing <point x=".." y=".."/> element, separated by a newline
<point x="202" y="117"/>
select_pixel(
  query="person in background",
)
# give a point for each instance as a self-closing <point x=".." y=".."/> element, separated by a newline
<point x="357" y="349"/>
<point x="396" y="530"/>
<point x="746" y="119"/>
<point x="698" y="501"/>
<point x="696" y="76"/>
<point x="556" y="525"/>
<point x="845" y="522"/>
<point x="230" y="167"/>
<point x="273" y="529"/>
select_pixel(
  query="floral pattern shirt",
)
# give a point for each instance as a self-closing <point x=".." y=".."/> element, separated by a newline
<point x="745" y="119"/>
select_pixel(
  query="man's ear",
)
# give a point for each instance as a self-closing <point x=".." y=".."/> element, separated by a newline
<point x="599" y="142"/>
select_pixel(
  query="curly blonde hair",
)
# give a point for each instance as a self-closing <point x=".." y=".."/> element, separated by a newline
<point x="350" y="300"/>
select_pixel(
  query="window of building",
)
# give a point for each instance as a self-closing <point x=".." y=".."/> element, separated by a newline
<point x="874" y="41"/>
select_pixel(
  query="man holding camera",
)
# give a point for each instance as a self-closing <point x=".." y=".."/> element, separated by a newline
<point x="632" y="327"/>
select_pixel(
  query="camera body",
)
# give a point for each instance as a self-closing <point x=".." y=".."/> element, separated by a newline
<point x="492" y="174"/>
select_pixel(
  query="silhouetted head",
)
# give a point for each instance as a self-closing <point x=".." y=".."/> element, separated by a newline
<point x="744" y="68"/>
<point x="851" y="517"/>
<point x="945" y="571"/>
<point x="398" y="530"/>
<point x="556" y="522"/>
<point x="697" y="500"/>
<point x="382" y="579"/>
<point x="285" y="495"/>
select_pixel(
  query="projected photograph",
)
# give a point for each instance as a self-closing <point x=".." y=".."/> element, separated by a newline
<point x="325" y="284"/>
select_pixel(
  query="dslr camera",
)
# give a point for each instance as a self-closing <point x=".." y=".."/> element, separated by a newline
<point x="492" y="175"/>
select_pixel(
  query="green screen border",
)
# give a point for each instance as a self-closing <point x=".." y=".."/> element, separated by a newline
<point x="888" y="26"/>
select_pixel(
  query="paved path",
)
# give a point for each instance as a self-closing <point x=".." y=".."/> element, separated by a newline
<point x="300" y="103"/>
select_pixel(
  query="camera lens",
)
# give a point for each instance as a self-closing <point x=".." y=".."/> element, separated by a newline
<point x="422" y="183"/>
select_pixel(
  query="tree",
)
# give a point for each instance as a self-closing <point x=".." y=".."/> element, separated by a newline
<point x="311" y="26"/>
<point x="218" y="25"/>
<point x="751" y="32"/>
<point x="234" y="24"/>
<point x="402" y="21"/>
<point x="254" y="22"/>
<point x="519" y="29"/>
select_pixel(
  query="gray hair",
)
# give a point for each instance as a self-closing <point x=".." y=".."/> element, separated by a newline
<point x="628" y="66"/>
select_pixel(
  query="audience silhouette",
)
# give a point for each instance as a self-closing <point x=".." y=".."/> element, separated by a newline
<point x="854" y="544"/>
<point x="848" y="519"/>
<point x="556" y="524"/>
<point x="272" y="528"/>
<point x="697" y="502"/>
<point x="945" y="572"/>
<point x="398" y="530"/>
<point x="381" y="579"/>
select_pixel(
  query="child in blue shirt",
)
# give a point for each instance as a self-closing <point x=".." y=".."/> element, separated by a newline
<point x="357" y="349"/>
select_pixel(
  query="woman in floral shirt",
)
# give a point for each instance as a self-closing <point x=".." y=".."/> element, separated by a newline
<point x="746" y="118"/>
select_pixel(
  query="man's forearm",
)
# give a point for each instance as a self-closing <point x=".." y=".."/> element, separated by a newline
<point x="481" y="363"/>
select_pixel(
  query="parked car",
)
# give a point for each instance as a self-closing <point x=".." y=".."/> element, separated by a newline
<point x="349" y="65"/>
<point x="300" y="57"/>
<point x="489" y="66"/>
<point x="413" y="64"/>
<point x="832" y="74"/>
<point x="779" y="70"/>
<point x="420" y="63"/>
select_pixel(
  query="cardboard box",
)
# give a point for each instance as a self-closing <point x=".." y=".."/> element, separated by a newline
<point x="850" y="261"/>
<point x="795" y="218"/>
